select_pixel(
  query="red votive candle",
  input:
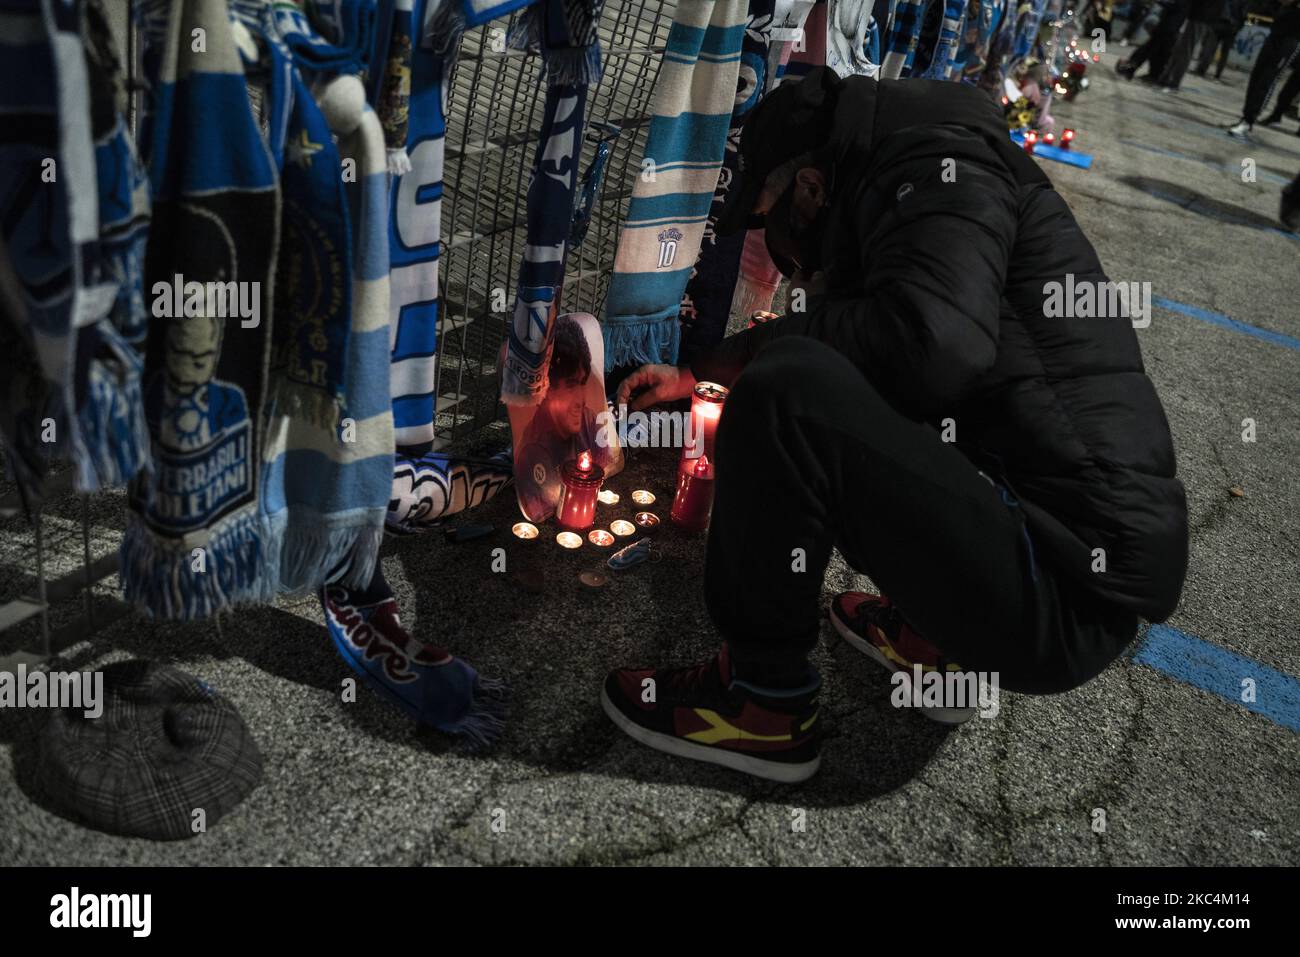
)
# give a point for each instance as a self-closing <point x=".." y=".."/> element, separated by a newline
<point x="581" y="478"/>
<point x="706" y="410"/>
<point x="694" y="496"/>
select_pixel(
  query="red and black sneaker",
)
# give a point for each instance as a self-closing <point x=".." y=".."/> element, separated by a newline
<point x="874" y="626"/>
<point x="708" y="714"/>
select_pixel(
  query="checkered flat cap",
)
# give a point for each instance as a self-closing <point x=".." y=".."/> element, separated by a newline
<point x="165" y="746"/>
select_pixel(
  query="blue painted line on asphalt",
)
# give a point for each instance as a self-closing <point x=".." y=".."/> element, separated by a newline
<point x="1161" y="151"/>
<point x="1226" y="322"/>
<point x="1197" y="662"/>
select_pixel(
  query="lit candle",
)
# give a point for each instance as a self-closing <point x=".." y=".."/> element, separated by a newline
<point x="581" y="479"/>
<point x="760" y="317"/>
<point x="569" y="539"/>
<point x="607" y="496"/>
<point x="643" y="497"/>
<point x="648" y="521"/>
<point x="694" y="494"/>
<point x="706" y="410"/>
<point x="525" y="530"/>
<point x="622" y="527"/>
<point x="598" y="536"/>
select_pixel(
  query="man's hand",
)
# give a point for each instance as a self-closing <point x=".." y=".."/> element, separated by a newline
<point x="657" y="383"/>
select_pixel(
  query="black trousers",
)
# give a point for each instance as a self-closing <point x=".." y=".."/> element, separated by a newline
<point x="1215" y="51"/>
<point x="1290" y="90"/>
<point x="811" y="457"/>
<point x="1275" y="55"/>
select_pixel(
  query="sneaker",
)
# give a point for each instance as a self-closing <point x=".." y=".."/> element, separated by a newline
<point x="707" y="714"/>
<point x="874" y="626"/>
<point x="1289" y="209"/>
<point x="1273" y="119"/>
<point x="1124" y="70"/>
<point x="1169" y="89"/>
<point x="1241" y="129"/>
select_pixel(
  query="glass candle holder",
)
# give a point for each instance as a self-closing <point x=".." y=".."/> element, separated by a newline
<point x="760" y="317"/>
<point x="581" y="478"/>
<point x="706" y="410"/>
<point x="694" y="498"/>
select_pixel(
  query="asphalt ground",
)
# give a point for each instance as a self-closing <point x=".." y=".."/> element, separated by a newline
<point x="1159" y="745"/>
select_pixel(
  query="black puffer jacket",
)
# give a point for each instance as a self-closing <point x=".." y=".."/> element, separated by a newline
<point x="935" y="290"/>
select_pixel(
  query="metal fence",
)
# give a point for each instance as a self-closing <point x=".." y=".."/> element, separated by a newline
<point x="58" y="581"/>
<point x="493" y="114"/>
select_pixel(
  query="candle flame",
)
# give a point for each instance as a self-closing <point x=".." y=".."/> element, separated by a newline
<point x="584" y="461"/>
<point x="702" y="465"/>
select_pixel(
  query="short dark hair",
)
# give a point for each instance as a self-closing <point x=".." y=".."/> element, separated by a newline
<point x="570" y="353"/>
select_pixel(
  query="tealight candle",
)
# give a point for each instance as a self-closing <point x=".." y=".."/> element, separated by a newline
<point x="621" y="526"/>
<point x="643" y="497"/>
<point x="525" y="530"/>
<point x="607" y="496"/>
<point x="598" y="536"/>
<point x="581" y="480"/>
<point x="648" y="521"/>
<point x="569" y="539"/>
<point x="694" y="496"/>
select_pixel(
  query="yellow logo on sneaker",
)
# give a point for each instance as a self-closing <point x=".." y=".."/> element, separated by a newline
<point x="720" y="729"/>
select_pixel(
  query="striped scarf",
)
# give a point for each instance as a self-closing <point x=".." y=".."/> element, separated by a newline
<point x="195" y="540"/>
<point x="902" y="37"/>
<point x="557" y="28"/>
<point x="331" y="481"/>
<point x="69" y="374"/>
<point x="416" y="230"/>
<point x="693" y="101"/>
<point x="945" y="47"/>
<point x="706" y="304"/>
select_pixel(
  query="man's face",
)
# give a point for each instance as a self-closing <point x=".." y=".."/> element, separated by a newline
<point x="790" y="216"/>
<point x="565" y="400"/>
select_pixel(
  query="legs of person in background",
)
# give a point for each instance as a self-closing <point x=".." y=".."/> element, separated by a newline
<point x="1194" y="34"/>
<point x="1137" y="16"/>
<point x="1289" y="208"/>
<point x="1275" y="55"/>
<point x="1286" y="98"/>
<point x="811" y="457"/>
<point x="1225" y="47"/>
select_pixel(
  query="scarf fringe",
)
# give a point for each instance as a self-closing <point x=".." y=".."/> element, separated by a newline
<point x="158" y="578"/>
<point x="399" y="163"/>
<point x="295" y="401"/>
<point x="482" y="724"/>
<point x="114" y="431"/>
<point x="638" y="343"/>
<point x="309" y="554"/>
<point x="753" y="295"/>
<point x="561" y="66"/>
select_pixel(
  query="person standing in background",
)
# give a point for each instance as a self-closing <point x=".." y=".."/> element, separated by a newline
<point x="1276" y="56"/>
<point x="1197" y="32"/>
<point x="1226" y="29"/>
<point x="1159" y="45"/>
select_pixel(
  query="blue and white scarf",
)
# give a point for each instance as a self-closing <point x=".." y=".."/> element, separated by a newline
<point x="564" y="33"/>
<point x="902" y="37"/>
<point x="70" y="377"/>
<point x="416" y="231"/>
<point x="694" y="97"/>
<point x="706" y="303"/>
<point x="945" y="47"/>
<point x="196" y="541"/>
